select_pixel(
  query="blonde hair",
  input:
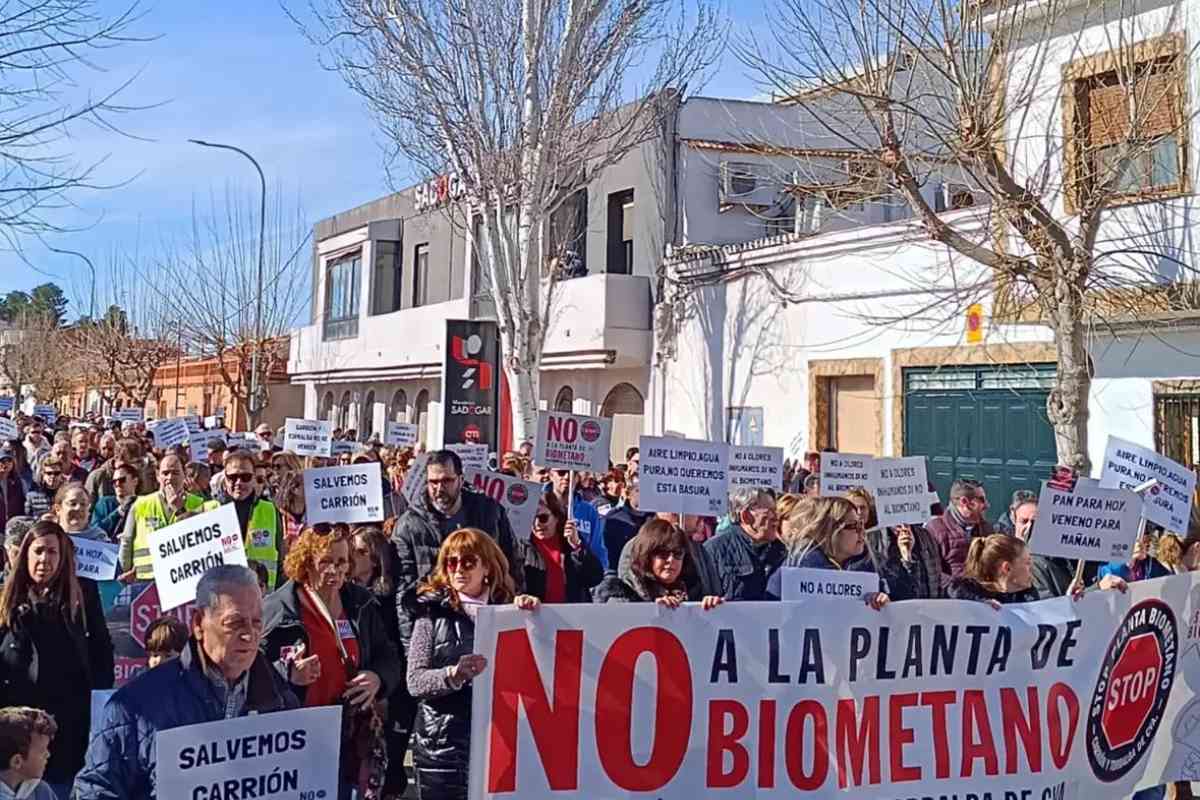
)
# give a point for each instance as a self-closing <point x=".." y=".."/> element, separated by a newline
<point x="471" y="542"/>
<point x="860" y="493"/>
<point x="816" y="522"/>
<point x="987" y="553"/>
<point x="1170" y="550"/>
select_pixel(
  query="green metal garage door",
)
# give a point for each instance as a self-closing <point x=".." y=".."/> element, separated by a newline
<point x="984" y="423"/>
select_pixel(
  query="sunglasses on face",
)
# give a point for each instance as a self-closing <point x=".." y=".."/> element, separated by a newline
<point x="244" y="477"/>
<point x="467" y="563"/>
<point x="50" y="473"/>
<point x="667" y="553"/>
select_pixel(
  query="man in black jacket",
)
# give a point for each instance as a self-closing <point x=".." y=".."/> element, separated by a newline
<point x="443" y="508"/>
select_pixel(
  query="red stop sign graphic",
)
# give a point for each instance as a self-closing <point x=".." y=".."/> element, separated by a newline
<point x="1131" y="690"/>
<point x="145" y="609"/>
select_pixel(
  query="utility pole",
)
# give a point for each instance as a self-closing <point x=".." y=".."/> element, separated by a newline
<point x="255" y="389"/>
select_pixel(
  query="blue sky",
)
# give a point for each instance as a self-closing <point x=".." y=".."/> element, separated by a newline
<point x="239" y="73"/>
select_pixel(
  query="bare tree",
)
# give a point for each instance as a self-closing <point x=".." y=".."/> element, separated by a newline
<point x="1049" y="126"/>
<point x="522" y="103"/>
<point x="207" y="283"/>
<point x="44" y="47"/>
<point x="32" y="353"/>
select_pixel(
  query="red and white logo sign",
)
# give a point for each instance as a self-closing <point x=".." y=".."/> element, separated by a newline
<point x="590" y="430"/>
<point x="569" y="441"/>
<point x="517" y="494"/>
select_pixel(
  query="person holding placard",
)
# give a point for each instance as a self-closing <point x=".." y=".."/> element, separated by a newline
<point x="327" y="636"/>
<point x="998" y="571"/>
<point x="153" y="511"/>
<point x="559" y="566"/>
<point x="906" y="556"/>
<point x="54" y="644"/>
<point x="219" y="675"/>
<point x="587" y="519"/>
<point x="961" y="523"/>
<point x="1141" y="564"/>
<point x="470" y="572"/>
<point x="258" y="518"/>
<point x="749" y="553"/>
<point x="828" y="533"/>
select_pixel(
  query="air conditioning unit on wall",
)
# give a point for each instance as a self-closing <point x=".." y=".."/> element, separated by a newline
<point x="746" y="184"/>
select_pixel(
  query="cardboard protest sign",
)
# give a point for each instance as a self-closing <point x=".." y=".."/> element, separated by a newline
<point x="901" y="490"/>
<point x="96" y="560"/>
<point x="519" y="498"/>
<point x="841" y="472"/>
<point x="286" y="754"/>
<point x="400" y="434"/>
<point x="170" y="432"/>
<point x="133" y="415"/>
<point x="1089" y="523"/>
<point x="804" y="583"/>
<point x="760" y="467"/>
<point x="1169" y="503"/>
<point x="7" y="403"/>
<point x="343" y="448"/>
<point x="198" y="443"/>
<point x="308" y="437"/>
<point x="343" y="494"/>
<point x="244" y="441"/>
<point x="47" y="412"/>
<point x="571" y="441"/>
<point x="473" y="456"/>
<point x="772" y="701"/>
<point x="8" y="429"/>
<point x="685" y="476"/>
<point x="214" y="421"/>
<point x="183" y="552"/>
<point x="414" y="479"/>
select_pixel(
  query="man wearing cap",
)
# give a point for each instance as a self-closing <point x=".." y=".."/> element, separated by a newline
<point x="12" y="492"/>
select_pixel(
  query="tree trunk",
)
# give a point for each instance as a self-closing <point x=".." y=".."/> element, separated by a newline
<point x="1067" y="406"/>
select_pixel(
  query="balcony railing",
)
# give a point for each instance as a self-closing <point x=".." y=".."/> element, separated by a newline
<point x="340" y="329"/>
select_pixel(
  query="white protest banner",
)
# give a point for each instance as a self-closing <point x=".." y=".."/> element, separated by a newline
<point x="343" y="448"/>
<point x="473" y="456"/>
<point x="779" y="700"/>
<point x="685" y="476"/>
<point x="1088" y="523"/>
<point x="414" y="479"/>
<point x="901" y="490"/>
<point x="244" y="441"/>
<point x="400" y="434"/>
<point x="282" y="755"/>
<point x="570" y="441"/>
<point x="308" y="437"/>
<point x="8" y="403"/>
<point x="519" y="498"/>
<point x="1169" y="503"/>
<point x="47" y="412"/>
<point x="841" y="472"/>
<point x="215" y="421"/>
<point x="183" y="552"/>
<point x="760" y="467"/>
<point x="170" y="432"/>
<point x="8" y="429"/>
<point x="133" y="415"/>
<point x="806" y="583"/>
<point x="343" y="494"/>
<point x="96" y="560"/>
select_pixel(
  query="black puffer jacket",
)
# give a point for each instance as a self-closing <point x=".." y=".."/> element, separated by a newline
<point x="419" y="534"/>
<point x="964" y="588"/>
<point x="583" y="570"/>
<point x="282" y="627"/>
<point x="441" y="740"/>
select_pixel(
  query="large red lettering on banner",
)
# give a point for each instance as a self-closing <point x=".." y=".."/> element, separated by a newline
<point x="672" y="709"/>
<point x="555" y="725"/>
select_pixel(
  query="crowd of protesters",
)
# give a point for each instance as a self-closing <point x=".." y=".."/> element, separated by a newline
<point x="379" y="618"/>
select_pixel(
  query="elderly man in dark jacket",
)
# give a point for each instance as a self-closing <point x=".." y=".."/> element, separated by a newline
<point x="220" y="675"/>
<point x="444" y="507"/>
<point x="961" y="522"/>
<point x="749" y="553"/>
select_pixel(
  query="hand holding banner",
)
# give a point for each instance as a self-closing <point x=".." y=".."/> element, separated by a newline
<point x="802" y="583"/>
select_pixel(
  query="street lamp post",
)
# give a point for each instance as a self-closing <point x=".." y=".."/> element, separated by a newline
<point x="258" y="299"/>
<point x="91" y="315"/>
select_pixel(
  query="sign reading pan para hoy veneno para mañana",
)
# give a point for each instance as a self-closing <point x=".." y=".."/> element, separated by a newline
<point x="344" y="494"/>
<point x="1058" y="699"/>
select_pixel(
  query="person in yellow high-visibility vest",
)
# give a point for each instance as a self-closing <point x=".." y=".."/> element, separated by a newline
<point x="262" y="527"/>
<point x="153" y="511"/>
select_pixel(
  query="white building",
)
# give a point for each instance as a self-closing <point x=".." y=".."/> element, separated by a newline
<point x="863" y="357"/>
<point x="388" y="273"/>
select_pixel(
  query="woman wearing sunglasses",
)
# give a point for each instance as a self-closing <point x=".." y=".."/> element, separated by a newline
<point x="471" y="571"/>
<point x="661" y="571"/>
<point x="827" y="533"/>
<point x="559" y="567"/>
<point x="328" y="637"/>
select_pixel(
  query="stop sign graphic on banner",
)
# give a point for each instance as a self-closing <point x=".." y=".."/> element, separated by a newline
<point x="145" y="609"/>
<point x="1131" y="690"/>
